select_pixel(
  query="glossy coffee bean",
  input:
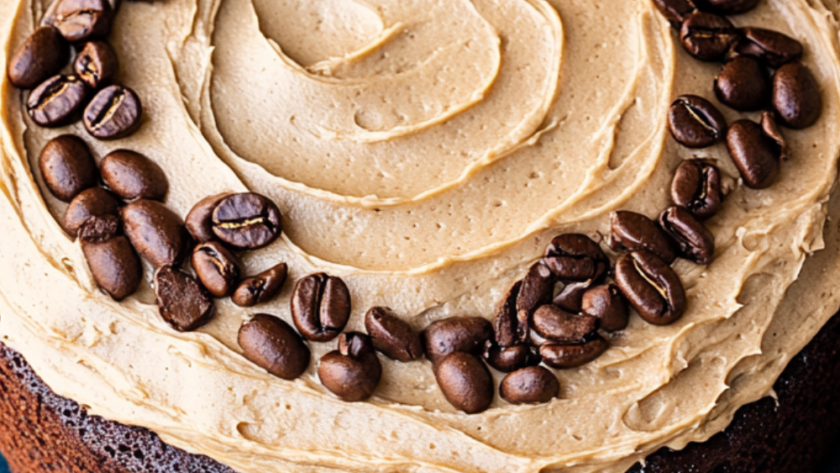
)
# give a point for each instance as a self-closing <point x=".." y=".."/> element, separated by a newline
<point x="755" y="154"/>
<point x="511" y="358"/>
<point x="392" y="336"/>
<point x="743" y="84"/>
<point x="200" y="219"/>
<point x="651" y="286"/>
<point x="274" y="346"/>
<point x="606" y="304"/>
<point x="771" y="130"/>
<point x="707" y="36"/>
<point x="726" y="7"/>
<point x="57" y="101"/>
<point x="696" y="243"/>
<point x="696" y="123"/>
<point x="531" y="385"/>
<point x="40" y="57"/>
<point x="216" y="267"/>
<point x="772" y="48"/>
<point x="353" y="371"/>
<point x="182" y="301"/>
<point x="570" y="297"/>
<point x="97" y="64"/>
<point x="81" y="20"/>
<point x="247" y="221"/>
<point x="509" y="329"/>
<point x="564" y="356"/>
<point x="465" y="382"/>
<point x="696" y="187"/>
<point x="632" y="231"/>
<point x="261" y="288"/>
<point x="456" y="334"/>
<point x="133" y="176"/>
<point x="115" y="266"/>
<point x="675" y="11"/>
<point x="115" y="112"/>
<point x="156" y="232"/>
<point x="93" y="202"/>
<point x="796" y="96"/>
<point x="537" y="289"/>
<point x="555" y="324"/>
<point x="575" y="257"/>
<point x="67" y="167"/>
<point x="320" y="307"/>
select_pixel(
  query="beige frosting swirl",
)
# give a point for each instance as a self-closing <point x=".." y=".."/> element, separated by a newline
<point x="425" y="152"/>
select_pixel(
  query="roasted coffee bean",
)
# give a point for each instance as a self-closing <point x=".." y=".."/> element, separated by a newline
<point x="93" y="202"/>
<point x="651" y="286"/>
<point x="570" y="297"/>
<point x="133" y="176"/>
<point x="40" y="57"/>
<point x="537" y="289"/>
<point x="755" y="154"/>
<point x="531" y="385"/>
<point x="465" y="382"/>
<point x="632" y="231"/>
<point x="726" y="7"/>
<point x="57" y="101"/>
<point x="696" y="123"/>
<point x="156" y="232"/>
<point x="574" y="257"/>
<point x="111" y="258"/>
<point x="274" y="346"/>
<point x="456" y="334"/>
<point x="260" y="288"/>
<point x="696" y="187"/>
<point x="182" y="301"/>
<point x="508" y="328"/>
<point x="67" y="167"/>
<point x="247" y="221"/>
<point x="510" y="359"/>
<point x="796" y="96"/>
<point x="353" y="371"/>
<point x="97" y="64"/>
<point x="81" y="20"/>
<point x="695" y="241"/>
<point x="743" y="84"/>
<point x="200" y="219"/>
<point x="393" y="337"/>
<point x="115" y="112"/>
<point x="771" y="130"/>
<point x="564" y="356"/>
<point x="320" y="307"/>
<point x="675" y="11"/>
<point x="706" y="36"/>
<point x="216" y="267"/>
<point x="606" y="304"/>
<point x="555" y="324"/>
<point x="772" y="48"/>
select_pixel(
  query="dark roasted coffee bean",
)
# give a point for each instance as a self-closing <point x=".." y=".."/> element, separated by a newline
<point x="563" y="356"/>
<point x="57" y="101"/>
<point x="40" y="57"/>
<point x="181" y="300"/>
<point x="67" y="167"/>
<point x="156" y="232"/>
<point x="675" y="11"/>
<point x="696" y="123"/>
<point x="216" y="267"/>
<point x="555" y="324"/>
<point x="465" y="382"/>
<point x="755" y="154"/>
<point x="81" y="20"/>
<point x="320" y="307"/>
<point x="353" y="371"/>
<point x="133" y="176"/>
<point x="570" y="297"/>
<point x="743" y="84"/>
<point x="508" y="328"/>
<point x="706" y="36"/>
<point x="274" y="346"/>
<point x="574" y="257"/>
<point x="456" y="334"/>
<point x="771" y="130"/>
<point x="260" y="288"/>
<point x="392" y="336"/>
<point x="696" y="187"/>
<point x="247" y="221"/>
<point x="695" y="241"/>
<point x="651" y="286"/>
<point x="111" y="258"/>
<point x="796" y="96"/>
<point x="200" y="219"/>
<point x="97" y="64"/>
<point x="606" y="304"/>
<point x="632" y="231"/>
<point x="93" y="202"/>
<point x="510" y="358"/>
<point x="531" y="385"/>
<point x="537" y="289"/>
<point x="726" y="7"/>
<point x="770" y="47"/>
<point x="115" y="112"/>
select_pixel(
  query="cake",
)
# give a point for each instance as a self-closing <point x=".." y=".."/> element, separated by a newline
<point x="522" y="235"/>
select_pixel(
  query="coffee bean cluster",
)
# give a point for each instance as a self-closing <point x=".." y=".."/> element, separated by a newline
<point x="71" y="71"/>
